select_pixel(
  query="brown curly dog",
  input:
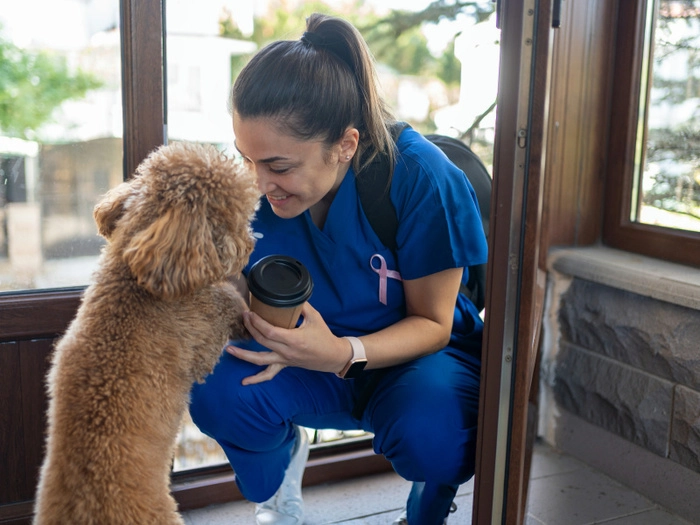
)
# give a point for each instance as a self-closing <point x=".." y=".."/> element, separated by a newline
<point x="155" y="320"/>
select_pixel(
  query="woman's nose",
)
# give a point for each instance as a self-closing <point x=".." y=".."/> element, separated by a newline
<point x="265" y="184"/>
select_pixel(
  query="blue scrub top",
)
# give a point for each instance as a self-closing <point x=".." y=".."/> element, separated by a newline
<point x="355" y="288"/>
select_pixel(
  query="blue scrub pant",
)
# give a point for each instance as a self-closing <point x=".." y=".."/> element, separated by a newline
<point x="423" y="415"/>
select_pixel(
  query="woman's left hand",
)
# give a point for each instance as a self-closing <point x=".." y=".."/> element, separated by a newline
<point x="311" y="345"/>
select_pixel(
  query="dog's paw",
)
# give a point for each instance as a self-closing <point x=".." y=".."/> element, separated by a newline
<point x="238" y="331"/>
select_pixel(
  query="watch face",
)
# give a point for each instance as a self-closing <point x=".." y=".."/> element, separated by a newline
<point x="355" y="369"/>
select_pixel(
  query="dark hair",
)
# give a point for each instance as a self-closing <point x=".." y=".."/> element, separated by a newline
<point x="318" y="86"/>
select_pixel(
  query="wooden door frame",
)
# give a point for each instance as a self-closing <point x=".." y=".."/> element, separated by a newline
<point x="515" y="283"/>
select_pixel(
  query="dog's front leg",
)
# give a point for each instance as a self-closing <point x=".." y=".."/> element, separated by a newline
<point x="220" y="313"/>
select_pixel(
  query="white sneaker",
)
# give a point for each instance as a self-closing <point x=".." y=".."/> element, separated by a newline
<point x="403" y="520"/>
<point x="286" y="507"/>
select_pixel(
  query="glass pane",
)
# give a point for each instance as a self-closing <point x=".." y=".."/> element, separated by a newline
<point x="420" y="73"/>
<point x="668" y="192"/>
<point x="60" y="137"/>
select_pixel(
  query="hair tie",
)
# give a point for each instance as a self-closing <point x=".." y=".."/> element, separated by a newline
<point x="313" y="39"/>
<point x="334" y="46"/>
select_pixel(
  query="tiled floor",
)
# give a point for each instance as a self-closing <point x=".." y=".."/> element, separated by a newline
<point x="563" y="491"/>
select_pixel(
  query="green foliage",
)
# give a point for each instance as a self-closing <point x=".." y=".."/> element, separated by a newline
<point x="33" y="85"/>
<point x="673" y="144"/>
<point x="450" y="69"/>
<point x="396" y="40"/>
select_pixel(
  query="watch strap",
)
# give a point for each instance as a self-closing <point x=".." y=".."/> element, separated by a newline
<point x="358" y="354"/>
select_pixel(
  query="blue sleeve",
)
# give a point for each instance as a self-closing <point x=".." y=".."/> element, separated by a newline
<point x="439" y="221"/>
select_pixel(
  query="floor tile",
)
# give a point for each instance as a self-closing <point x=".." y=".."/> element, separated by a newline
<point x="547" y="462"/>
<point x="582" y="497"/>
<point x="531" y="520"/>
<point x="650" y="517"/>
<point x="355" y="499"/>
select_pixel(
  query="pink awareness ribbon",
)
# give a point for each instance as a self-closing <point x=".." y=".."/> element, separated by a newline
<point x="384" y="275"/>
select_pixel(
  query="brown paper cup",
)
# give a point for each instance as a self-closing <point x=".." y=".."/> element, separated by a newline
<point x="279" y="286"/>
<point x="278" y="316"/>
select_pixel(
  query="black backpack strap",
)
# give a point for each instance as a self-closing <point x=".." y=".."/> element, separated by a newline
<point x="373" y="185"/>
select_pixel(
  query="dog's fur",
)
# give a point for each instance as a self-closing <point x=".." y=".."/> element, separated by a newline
<point x="154" y="321"/>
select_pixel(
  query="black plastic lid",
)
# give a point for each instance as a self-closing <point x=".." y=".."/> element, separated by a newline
<point x="279" y="280"/>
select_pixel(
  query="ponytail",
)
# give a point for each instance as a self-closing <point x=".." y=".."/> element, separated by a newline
<point x="317" y="87"/>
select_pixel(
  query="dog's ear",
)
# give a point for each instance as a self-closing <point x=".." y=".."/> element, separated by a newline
<point x="110" y="209"/>
<point x="174" y="255"/>
<point x="234" y="247"/>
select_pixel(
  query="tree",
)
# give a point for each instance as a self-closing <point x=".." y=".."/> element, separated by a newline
<point x="673" y="143"/>
<point x="396" y="39"/>
<point x="33" y="85"/>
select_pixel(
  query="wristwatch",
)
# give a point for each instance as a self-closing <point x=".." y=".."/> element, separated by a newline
<point x="357" y="362"/>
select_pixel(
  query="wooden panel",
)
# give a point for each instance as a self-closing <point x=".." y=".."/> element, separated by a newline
<point x="17" y="513"/>
<point x="34" y="365"/>
<point x="22" y="416"/>
<point x="579" y="107"/>
<point x="559" y="215"/>
<point x="34" y="315"/>
<point x="600" y="23"/>
<point x="12" y="479"/>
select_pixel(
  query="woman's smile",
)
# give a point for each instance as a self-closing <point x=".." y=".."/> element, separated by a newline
<point x="278" y="200"/>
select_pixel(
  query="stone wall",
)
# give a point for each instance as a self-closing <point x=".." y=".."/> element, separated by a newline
<point x="630" y="364"/>
<point x="620" y="370"/>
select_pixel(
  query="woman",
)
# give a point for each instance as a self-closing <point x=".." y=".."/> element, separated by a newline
<point x="307" y="116"/>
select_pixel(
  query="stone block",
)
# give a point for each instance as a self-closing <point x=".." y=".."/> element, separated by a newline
<point x="655" y="336"/>
<point x="685" y="429"/>
<point x="619" y="398"/>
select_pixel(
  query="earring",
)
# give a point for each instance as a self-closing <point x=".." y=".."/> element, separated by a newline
<point x="347" y="157"/>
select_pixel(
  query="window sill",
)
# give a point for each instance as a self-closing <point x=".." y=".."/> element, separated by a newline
<point x="661" y="280"/>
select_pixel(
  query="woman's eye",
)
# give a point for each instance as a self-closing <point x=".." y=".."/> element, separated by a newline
<point x="278" y="170"/>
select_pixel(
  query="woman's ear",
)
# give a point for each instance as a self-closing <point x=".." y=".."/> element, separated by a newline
<point x="348" y="144"/>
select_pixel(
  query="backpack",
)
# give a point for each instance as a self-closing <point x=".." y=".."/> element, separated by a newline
<point x="373" y="189"/>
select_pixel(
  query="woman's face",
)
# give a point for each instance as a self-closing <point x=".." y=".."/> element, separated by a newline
<point x="294" y="175"/>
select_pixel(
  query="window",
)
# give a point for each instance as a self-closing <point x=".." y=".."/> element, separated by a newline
<point x="60" y="137"/>
<point x="653" y="187"/>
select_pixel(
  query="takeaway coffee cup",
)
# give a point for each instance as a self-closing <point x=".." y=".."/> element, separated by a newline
<point x="279" y="285"/>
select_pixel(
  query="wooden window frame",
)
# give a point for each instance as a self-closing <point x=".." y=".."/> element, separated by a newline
<point x="618" y="230"/>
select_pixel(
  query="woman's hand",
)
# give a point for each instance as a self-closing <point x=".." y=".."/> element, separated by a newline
<point x="426" y="328"/>
<point x="311" y="345"/>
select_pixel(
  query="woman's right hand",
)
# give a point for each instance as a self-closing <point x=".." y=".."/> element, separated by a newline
<point x="311" y="345"/>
